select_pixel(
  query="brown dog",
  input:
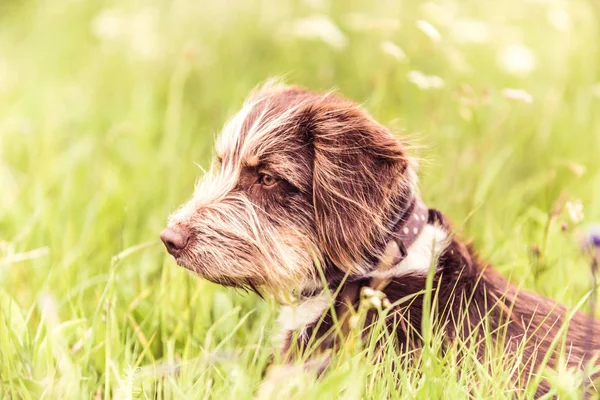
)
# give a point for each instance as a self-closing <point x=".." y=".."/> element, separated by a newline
<point x="307" y="188"/>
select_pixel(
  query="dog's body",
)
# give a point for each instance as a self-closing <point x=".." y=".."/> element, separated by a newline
<point x="470" y="301"/>
<point x="313" y="198"/>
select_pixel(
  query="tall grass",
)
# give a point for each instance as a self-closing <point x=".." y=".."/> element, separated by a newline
<point x="106" y="106"/>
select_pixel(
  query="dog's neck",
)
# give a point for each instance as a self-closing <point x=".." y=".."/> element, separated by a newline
<point x="407" y="228"/>
<point x="416" y="240"/>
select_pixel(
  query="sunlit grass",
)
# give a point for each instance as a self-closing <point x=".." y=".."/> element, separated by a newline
<point x="105" y="108"/>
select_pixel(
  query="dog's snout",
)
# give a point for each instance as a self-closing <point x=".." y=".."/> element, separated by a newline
<point x="175" y="239"/>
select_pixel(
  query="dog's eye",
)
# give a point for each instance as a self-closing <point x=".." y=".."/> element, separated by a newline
<point x="266" y="179"/>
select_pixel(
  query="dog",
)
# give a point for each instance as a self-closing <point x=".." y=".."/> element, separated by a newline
<point x="310" y="198"/>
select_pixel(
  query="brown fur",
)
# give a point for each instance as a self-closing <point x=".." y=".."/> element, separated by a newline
<point x="468" y="295"/>
<point x="341" y="179"/>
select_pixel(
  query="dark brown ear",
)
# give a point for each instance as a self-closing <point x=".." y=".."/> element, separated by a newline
<point x="360" y="179"/>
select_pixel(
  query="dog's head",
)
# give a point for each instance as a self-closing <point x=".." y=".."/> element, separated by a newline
<point x="300" y="180"/>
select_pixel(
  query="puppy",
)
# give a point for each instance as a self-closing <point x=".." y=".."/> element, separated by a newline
<point x="310" y="198"/>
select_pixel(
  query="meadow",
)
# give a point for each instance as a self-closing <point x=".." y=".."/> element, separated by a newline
<point x="108" y="113"/>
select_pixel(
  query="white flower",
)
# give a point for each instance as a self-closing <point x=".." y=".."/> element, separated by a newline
<point x="375" y="302"/>
<point x="137" y="32"/>
<point x="559" y="18"/>
<point x="108" y="24"/>
<point x="319" y="27"/>
<point x="144" y="38"/>
<point x="368" y="292"/>
<point x="425" y="81"/>
<point x="393" y="50"/>
<point x="429" y="30"/>
<point x="575" y="210"/>
<point x="576" y="168"/>
<point x="468" y="30"/>
<point x="517" y="59"/>
<point x="374" y="298"/>
<point x="517" y="95"/>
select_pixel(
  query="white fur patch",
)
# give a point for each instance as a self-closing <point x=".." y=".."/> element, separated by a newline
<point x="299" y="316"/>
<point x="293" y="317"/>
<point x="421" y="254"/>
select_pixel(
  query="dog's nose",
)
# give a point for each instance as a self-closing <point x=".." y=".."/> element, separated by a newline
<point x="175" y="239"/>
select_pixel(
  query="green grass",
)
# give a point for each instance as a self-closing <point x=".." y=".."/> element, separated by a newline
<point x="105" y="107"/>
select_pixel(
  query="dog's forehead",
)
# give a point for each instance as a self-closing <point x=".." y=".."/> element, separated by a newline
<point x="265" y="126"/>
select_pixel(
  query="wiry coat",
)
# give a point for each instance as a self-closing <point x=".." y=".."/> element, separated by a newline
<point x="470" y="301"/>
<point x="308" y="184"/>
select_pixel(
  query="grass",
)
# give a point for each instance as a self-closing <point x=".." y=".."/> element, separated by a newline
<point x="105" y="107"/>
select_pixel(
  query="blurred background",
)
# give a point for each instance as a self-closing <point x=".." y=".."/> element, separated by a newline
<point x="106" y="106"/>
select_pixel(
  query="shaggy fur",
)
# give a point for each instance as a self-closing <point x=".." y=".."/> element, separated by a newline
<point x="306" y="183"/>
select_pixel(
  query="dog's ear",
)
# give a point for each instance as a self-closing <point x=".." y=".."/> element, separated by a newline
<point x="359" y="177"/>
